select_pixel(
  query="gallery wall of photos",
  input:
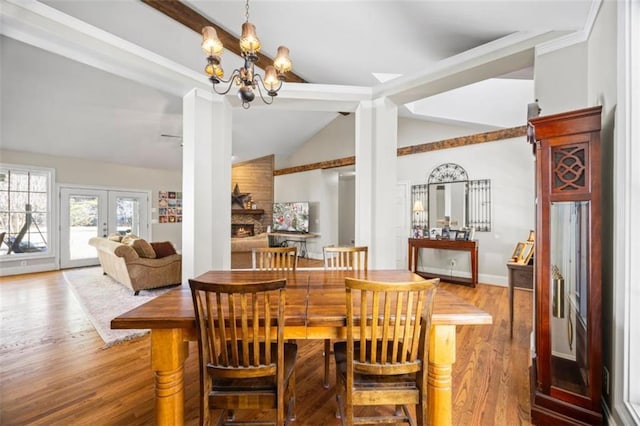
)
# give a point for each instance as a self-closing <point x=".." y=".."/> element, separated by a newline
<point x="169" y="207"/>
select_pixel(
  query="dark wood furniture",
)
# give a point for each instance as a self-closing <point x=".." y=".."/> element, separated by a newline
<point x="567" y="367"/>
<point x="384" y="361"/>
<point x="520" y="276"/>
<point x="471" y="246"/>
<point x="315" y="309"/>
<point x="244" y="360"/>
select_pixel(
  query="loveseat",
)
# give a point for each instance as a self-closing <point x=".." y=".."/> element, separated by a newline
<point x="135" y="263"/>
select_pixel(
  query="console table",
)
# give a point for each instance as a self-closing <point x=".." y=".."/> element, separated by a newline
<point x="284" y="239"/>
<point x="471" y="246"/>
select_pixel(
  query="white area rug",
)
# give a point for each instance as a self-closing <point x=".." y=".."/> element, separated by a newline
<point x="103" y="299"/>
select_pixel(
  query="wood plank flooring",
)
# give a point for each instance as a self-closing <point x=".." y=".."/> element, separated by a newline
<point x="54" y="372"/>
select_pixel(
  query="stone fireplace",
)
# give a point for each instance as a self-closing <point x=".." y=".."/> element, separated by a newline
<point x="245" y="224"/>
<point x="241" y="230"/>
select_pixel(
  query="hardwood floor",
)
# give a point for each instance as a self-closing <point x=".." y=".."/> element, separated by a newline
<point x="54" y="372"/>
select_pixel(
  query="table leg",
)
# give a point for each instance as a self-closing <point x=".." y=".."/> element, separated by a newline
<point x="474" y="267"/>
<point x="168" y="353"/>
<point x="442" y="355"/>
<point x="510" y="305"/>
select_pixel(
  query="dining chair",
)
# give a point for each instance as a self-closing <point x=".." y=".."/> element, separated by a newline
<point x="384" y="361"/>
<point x="274" y="258"/>
<point x="346" y="258"/>
<point x="244" y="360"/>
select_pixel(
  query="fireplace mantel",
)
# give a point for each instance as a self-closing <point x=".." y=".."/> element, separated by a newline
<point x="247" y="211"/>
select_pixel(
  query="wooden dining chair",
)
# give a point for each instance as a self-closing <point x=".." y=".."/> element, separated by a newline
<point x="384" y="361"/>
<point x="346" y="258"/>
<point x="275" y="258"/>
<point x="244" y="360"/>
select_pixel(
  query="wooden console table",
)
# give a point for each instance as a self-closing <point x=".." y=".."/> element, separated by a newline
<point x="471" y="246"/>
<point x="285" y="239"/>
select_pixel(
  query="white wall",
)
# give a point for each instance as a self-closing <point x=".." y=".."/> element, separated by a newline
<point x="336" y="140"/>
<point x="347" y="211"/>
<point x="320" y="189"/>
<point x="561" y="79"/>
<point x="96" y="174"/>
<point x="509" y="165"/>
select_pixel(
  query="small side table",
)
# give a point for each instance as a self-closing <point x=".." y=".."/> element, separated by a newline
<point x="520" y="276"/>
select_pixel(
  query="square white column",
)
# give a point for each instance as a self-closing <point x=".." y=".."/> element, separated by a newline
<point x="206" y="177"/>
<point x="376" y="180"/>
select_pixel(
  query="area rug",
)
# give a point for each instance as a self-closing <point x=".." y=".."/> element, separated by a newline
<point x="103" y="299"/>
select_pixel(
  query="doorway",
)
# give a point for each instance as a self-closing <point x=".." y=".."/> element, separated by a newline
<point x="88" y="212"/>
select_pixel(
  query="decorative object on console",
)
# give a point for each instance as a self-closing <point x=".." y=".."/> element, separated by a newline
<point x="523" y="253"/>
<point x="453" y="200"/>
<point x="239" y="198"/>
<point x="245" y="77"/>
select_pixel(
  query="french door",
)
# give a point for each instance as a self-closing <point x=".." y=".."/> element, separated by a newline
<point x="87" y="213"/>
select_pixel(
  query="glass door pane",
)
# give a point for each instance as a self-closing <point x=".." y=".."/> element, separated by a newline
<point x="83" y="216"/>
<point x="86" y="213"/>
<point x="569" y="282"/>
<point x="128" y="213"/>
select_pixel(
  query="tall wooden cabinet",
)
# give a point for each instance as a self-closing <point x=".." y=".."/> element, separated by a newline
<point x="566" y="372"/>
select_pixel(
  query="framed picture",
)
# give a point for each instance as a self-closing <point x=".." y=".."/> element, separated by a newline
<point x="517" y="252"/>
<point x="462" y="235"/>
<point x="526" y="254"/>
<point x="435" y="233"/>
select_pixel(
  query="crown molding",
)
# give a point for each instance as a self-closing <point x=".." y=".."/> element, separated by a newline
<point x="575" y="37"/>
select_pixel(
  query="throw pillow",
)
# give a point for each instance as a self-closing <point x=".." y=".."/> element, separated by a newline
<point x="128" y="239"/>
<point x="143" y="248"/>
<point x="115" y="237"/>
<point x="163" y="249"/>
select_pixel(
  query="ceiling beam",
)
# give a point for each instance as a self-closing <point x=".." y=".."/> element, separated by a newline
<point x="188" y="17"/>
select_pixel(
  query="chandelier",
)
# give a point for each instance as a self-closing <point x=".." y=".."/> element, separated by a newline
<point x="245" y="78"/>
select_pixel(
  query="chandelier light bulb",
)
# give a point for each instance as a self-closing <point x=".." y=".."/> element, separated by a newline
<point x="211" y="44"/>
<point x="282" y="62"/>
<point x="271" y="81"/>
<point x="249" y="42"/>
<point x="213" y="69"/>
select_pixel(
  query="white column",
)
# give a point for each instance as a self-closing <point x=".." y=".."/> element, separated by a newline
<point x="206" y="179"/>
<point x="376" y="179"/>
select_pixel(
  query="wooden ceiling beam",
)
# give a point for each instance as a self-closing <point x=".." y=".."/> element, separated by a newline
<point x="188" y="17"/>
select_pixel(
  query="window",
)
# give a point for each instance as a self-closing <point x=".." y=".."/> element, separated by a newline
<point x="25" y="210"/>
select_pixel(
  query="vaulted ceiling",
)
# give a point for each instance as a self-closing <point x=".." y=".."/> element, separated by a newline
<point x="53" y="104"/>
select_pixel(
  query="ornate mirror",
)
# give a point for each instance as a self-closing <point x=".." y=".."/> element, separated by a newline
<point x="450" y="193"/>
<point x="448" y="202"/>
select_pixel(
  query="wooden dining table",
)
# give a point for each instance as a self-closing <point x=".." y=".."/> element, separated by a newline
<point x="315" y="309"/>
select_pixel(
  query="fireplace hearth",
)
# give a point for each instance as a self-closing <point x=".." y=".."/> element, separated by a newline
<point x="241" y="230"/>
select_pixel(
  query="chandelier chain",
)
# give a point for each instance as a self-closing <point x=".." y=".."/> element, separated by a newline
<point x="246" y="10"/>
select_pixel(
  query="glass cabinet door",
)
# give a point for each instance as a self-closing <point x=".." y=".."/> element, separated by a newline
<point x="569" y="257"/>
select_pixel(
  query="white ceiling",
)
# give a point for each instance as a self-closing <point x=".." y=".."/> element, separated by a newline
<point x="54" y="105"/>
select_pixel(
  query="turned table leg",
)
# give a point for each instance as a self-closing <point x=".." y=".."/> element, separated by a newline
<point x="442" y="355"/>
<point x="168" y="353"/>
